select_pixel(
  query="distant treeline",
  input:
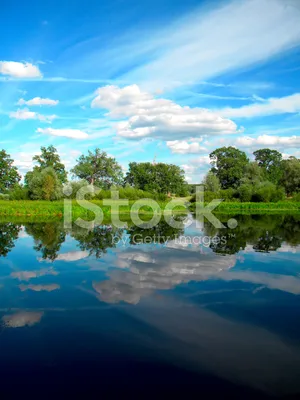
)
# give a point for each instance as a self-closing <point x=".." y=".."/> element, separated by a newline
<point x="233" y="177"/>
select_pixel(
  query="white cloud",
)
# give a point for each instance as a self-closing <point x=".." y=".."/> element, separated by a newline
<point x="39" y="288"/>
<point x="38" y="101"/>
<point x="21" y="319"/>
<point x="156" y="117"/>
<point x="69" y="133"/>
<point x="185" y="147"/>
<point x="267" y="140"/>
<point x="272" y="106"/>
<point x="72" y="256"/>
<point x="27" y="275"/>
<point x="25" y="114"/>
<point x="19" y="69"/>
<point x="193" y="49"/>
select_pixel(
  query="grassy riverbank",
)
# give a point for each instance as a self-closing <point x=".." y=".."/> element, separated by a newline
<point x="57" y="209"/>
<point x="254" y="208"/>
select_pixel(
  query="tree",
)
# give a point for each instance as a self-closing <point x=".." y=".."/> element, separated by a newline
<point x="291" y="175"/>
<point x="48" y="238"/>
<point x="50" y="159"/>
<point x="211" y="182"/>
<point x="9" y="232"/>
<point x="43" y="185"/>
<point x="270" y="162"/>
<point x="228" y="164"/>
<point x="8" y="173"/>
<point x="99" y="169"/>
<point x="157" y="178"/>
<point x="253" y="174"/>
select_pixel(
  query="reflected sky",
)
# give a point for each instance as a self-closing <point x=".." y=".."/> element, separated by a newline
<point x="218" y="305"/>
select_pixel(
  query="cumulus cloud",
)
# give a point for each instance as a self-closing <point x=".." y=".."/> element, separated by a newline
<point x="27" y="275"/>
<point x="271" y="106"/>
<point x="19" y="69"/>
<point x="25" y="114"/>
<point x="21" y="319"/>
<point x="268" y="140"/>
<point x="65" y="132"/>
<point x="148" y="116"/>
<point x="72" y="256"/>
<point x="185" y="147"/>
<point x="38" y="101"/>
<point x="39" y="288"/>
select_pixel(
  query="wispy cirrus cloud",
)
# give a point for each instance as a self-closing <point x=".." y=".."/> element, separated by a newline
<point x="272" y="106"/>
<point x="64" y="132"/>
<point x="245" y="35"/>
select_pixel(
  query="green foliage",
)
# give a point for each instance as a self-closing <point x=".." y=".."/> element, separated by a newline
<point x="211" y="182"/>
<point x="157" y="178"/>
<point x="267" y="192"/>
<point x="296" y="197"/>
<point x="98" y="169"/>
<point x="291" y="175"/>
<point x="18" y="192"/>
<point x="8" y="234"/>
<point x="50" y="159"/>
<point x="43" y="185"/>
<point x="131" y="193"/>
<point x="226" y="195"/>
<point x="228" y="164"/>
<point x="8" y="173"/>
<point x="270" y="162"/>
<point x="4" y="197"/>
<point x="253" y="174"/>
<point x="245" y="192"/>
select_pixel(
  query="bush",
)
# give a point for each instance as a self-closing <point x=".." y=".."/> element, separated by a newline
<point x="267" y="192"/>
<point x="4" y="196"/>
<point x="18" y="192"/>
<point x="131" y="193"/>
<point x="245" y="192"/>
<point x="296" y="197"/>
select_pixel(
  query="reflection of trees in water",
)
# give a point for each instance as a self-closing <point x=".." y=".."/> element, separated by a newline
<point x="8" y="234"/>
<point x="97" y="240"/>
<point x="48" y="238"/>
<point x="264" y="232"/>
<point x="160" y="233"/>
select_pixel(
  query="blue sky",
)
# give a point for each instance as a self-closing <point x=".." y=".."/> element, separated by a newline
<point x="142" y="79"/>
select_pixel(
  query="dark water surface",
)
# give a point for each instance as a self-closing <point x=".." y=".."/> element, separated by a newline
<point x="153" y="312"/>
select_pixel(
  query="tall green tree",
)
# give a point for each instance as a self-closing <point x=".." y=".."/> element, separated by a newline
<point x="270" y="162"/>
<point x="157" y="178"/>
<point x="9" y="175"/>
<point x="211" y="182"/>
<point x="43" y="185"/>
<point x="228" y="164"/>
<point x="291" y="175"/>
<point x="49" y="158"/>
<point x="99" y="169"/>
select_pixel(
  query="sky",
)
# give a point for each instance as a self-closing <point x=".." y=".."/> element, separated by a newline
<point x="145" y="80"/>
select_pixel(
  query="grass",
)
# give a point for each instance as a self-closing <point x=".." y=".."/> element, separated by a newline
<point x="254" y="208"/>
<point x="56" y="209"/>
<point x="47" y="210"/>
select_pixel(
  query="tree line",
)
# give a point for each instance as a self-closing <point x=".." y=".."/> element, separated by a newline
<point x="266" y="178"/>
<point x="233" y="176"/>
<point x="48" y="177"/>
